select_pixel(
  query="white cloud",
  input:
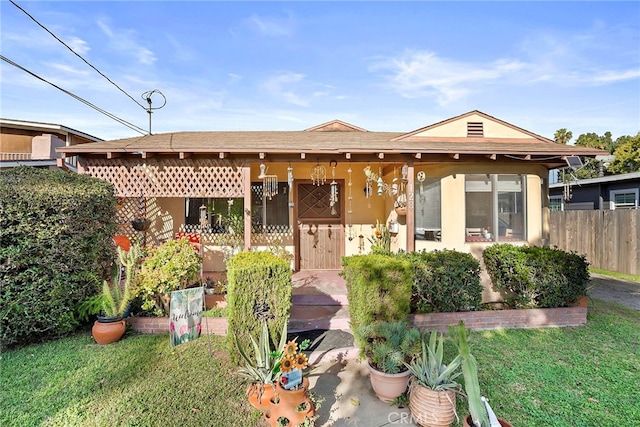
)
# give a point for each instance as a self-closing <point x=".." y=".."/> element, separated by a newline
<point x="78" y="45"/>
<point x="282" y="86"/>
<point x="124" y="41"/>
<point x="270" y="26"/>
<point x="424" y="74"/>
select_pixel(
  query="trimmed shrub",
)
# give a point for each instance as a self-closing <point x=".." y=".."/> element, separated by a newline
<point x="169" y="267"/>
<point x="56" y="248"/>
<point x="259" y="288"/>
<point x="445" y="281"/>
<point x="536" y="276"/>
<point x="378" y="288"/>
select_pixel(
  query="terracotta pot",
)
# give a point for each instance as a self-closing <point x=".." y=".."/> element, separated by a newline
<point x="260" y="395"/>
<point x="468" y="423"/>
<point x="293" y="405"/>
<point x="583" y="301"/>
<point x="430" y="408"/>
<point x="388" y="387"/>
<point x="106" y="333"/>
<point x="215" y="300"/>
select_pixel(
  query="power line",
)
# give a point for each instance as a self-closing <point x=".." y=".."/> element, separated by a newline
<point x="73" y="95"/>
<point x="78" y="55"/>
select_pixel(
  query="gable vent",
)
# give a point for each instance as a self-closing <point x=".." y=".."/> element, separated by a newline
<point x="475" y="130"/>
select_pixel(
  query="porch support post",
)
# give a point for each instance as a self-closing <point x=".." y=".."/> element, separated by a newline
<point x="246" y="175"/>
<point x="411" y="207"/>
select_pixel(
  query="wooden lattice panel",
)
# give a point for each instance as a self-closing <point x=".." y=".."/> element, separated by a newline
<point x="170" y="178"/>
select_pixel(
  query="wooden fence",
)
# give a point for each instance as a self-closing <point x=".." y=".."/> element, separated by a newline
<point x="610" y="239"/>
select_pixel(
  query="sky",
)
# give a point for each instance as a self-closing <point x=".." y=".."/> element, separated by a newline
<point x="291" y="65"/>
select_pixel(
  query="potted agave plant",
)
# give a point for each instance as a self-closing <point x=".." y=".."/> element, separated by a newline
<point x="480" y="413"/>
<point x="432" y="387"/>
<point x="387" y="346"/>
<point x="263" y="370"/>
<point x="276" y="384"/>
<point x="115" y="298"/>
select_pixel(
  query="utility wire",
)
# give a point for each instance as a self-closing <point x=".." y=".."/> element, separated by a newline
<point x="84" y="101"/>
<point x="78" y="55"/>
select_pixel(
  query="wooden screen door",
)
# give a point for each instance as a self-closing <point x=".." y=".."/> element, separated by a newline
<point x="320" y="231"/>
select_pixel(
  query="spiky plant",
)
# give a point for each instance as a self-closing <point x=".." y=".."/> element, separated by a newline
<point x="264" y="367"/>
<point x="477" y="409"/>
<point x="116" y="297"/>
<point x="428" y="368"/>
<point x="388" y="345"/>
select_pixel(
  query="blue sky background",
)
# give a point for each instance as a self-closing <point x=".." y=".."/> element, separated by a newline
<point x="383" y="66"/>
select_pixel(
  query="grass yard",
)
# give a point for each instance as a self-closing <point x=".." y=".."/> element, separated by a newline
<point x="588" y="376"/>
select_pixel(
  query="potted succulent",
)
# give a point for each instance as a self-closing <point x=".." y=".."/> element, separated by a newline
<point x="480" y="413"/>
<point x="263" y="370"/>
<point x="387" y="346"/>
<point x="432" y="387"/>
<point x="276" y="384"/>
<point x="115" y="298"/>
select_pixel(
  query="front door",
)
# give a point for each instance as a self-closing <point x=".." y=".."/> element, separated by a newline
<point x="320" y="231"/>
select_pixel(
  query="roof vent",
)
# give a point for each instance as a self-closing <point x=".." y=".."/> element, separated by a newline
<point x="475" y="130"/>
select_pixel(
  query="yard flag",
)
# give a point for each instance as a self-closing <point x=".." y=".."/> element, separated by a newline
<point x="185" y="315"/>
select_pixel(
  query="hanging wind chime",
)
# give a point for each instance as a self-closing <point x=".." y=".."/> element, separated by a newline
<point x="290" y="182"/>
<point x="333" y="196"/>
<point x="318" y="175"/>
<point x="350" y="233"/>
<point x="269" y="182"/>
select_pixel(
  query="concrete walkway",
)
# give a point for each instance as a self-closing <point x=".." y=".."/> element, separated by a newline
<point x="624" y="292"/>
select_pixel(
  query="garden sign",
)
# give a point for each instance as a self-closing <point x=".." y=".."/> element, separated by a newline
<point x="185" y="315"/>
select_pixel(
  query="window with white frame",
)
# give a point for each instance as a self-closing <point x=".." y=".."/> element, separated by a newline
<point x="555" y="203"/>
<point x="427" y="209"/>
<point x="495" y="207"/>
<point x="624" y="199"/>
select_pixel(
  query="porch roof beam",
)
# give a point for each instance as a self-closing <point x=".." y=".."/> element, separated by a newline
<point x="184" y="155"/>
<point x="112" y="155"/>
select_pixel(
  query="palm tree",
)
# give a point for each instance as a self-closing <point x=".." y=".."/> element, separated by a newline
<point x="563" y="136"/>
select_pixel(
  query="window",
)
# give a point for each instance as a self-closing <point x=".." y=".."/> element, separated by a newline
<point x="225" y="213"/>
<point x="555" y="203"/>
<point x="267" y="212"/>
<point x="494" y="203"/>
<point x="427" y="209"/>
<point x="220" y="213"/>
<point x="624" y="199"/>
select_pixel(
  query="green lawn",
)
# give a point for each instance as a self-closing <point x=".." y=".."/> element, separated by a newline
<point x="587" y="376"/>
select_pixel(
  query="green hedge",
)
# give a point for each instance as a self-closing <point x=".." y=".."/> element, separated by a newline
<point x="445" y="281"/>
<point x="378" y="288"/>
<point x="259" y="287"/>
<point x="535" y="276"/>
<point x="56" y="231"/>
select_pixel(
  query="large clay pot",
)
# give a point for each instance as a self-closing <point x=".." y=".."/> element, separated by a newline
<point x="260" y="395"/>
<point x="293" y="405"/>
<point x="388" y="387"/>
<point x="468" y="423"/>
<point x="106" y="333"/>
<point x="430" y="408"/>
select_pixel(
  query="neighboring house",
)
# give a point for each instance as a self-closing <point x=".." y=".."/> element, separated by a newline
<point x="462" y="183"/>
<point x="607" y="192"/>
<point x="34" y="143"/>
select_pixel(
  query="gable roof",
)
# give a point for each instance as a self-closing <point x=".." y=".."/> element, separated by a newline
<point x="443" y="141"/>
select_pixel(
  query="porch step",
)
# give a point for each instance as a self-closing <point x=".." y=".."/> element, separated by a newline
<point x="319" y="299"/>
<point x="306" y="318"/>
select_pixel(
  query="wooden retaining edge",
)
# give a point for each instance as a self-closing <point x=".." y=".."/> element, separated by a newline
<point x="476" y="320"/>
